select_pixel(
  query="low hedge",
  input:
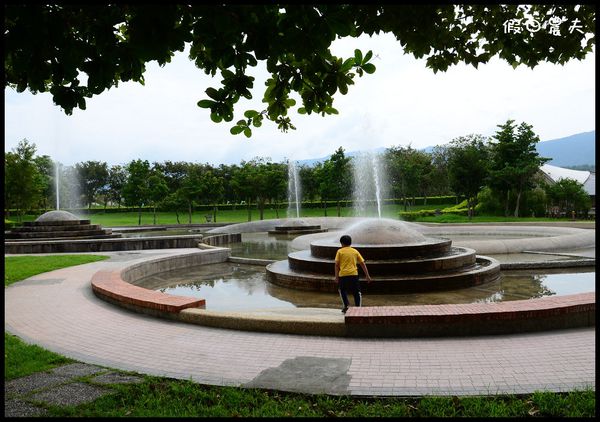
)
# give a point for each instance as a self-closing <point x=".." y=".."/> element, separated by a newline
<point x="459" y="209"/>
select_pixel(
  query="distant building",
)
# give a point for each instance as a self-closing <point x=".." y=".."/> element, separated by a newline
<point x="553" y="174"/>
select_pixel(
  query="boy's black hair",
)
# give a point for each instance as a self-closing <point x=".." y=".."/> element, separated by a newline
<point x="346" y="240"/>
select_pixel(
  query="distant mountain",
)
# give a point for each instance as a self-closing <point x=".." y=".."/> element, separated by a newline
<point x="574" y="150"/>
<point x="570" y="151"/>
<point x="312" y="161"/>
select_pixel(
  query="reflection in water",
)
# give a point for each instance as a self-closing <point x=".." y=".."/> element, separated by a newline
<point x="263" y="246"/>
<point x="228" y="286"/>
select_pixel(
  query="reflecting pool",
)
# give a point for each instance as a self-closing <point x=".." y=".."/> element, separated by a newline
<point x="229" y="286"/>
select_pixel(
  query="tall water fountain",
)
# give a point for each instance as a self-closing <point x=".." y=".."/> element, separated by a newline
<point x="400" y="259"/>
<point x="294" y="190"/>
<point x="368" y="183"/>
<point x="57" y="178"/>
<point x="295" y="225"/>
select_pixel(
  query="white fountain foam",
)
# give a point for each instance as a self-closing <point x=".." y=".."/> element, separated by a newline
<point x="383" y="232"/>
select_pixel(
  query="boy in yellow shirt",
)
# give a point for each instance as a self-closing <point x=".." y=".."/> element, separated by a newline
<point x="346" y="271"/>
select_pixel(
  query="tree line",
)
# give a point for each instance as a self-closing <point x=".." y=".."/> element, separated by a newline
<point x="500" y="173"/>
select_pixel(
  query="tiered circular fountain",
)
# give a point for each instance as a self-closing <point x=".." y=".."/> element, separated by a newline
<point x="59" y="225"/>
<point x="297" y="227"/>
<point x="399" y="259"/>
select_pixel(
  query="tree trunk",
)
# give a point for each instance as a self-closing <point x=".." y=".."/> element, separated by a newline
<point x="154" y="214"/>
<point x="177" y="216"/>
<point x="338" y="209"/>
<point x="215" y="213"/>
<point x="325" y="208"/>
<point x="276" y="211"/>
<point x="140" y="216"/>
<point x="469" y="209"/>
<point x="249" y="210"/>
<point x="517" y="206"/>
<point x="189" y="213"/>
<point x="506" y="204"/>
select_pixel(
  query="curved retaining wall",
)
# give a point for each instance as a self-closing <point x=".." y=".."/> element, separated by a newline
<point x="541" y="314"/>
<point x="102" y="245"/>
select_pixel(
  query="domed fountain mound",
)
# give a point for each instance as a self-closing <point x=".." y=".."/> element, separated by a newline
<point x="400" y="260"/>
<point x="59" y="225"/>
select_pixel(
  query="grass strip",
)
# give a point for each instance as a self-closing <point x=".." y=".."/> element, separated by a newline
<point x="163" y="397"/>
<point x="18" y="268"/>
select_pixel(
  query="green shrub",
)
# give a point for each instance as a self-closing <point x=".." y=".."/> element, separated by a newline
<point x="489" y="203"/>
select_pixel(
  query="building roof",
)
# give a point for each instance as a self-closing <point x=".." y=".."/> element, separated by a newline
<point x="590" y="184"/>
<point x="586" y="178"/>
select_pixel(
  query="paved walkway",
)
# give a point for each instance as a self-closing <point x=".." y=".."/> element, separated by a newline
<point x="57" y="310"/>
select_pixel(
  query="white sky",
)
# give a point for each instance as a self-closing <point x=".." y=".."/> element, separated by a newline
<point x="402" y="103"/>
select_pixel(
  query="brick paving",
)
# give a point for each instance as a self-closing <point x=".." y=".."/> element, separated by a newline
<point x="57" y="310"/>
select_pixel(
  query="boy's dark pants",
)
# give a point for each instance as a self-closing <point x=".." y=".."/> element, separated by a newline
<point x="350" y="283"/>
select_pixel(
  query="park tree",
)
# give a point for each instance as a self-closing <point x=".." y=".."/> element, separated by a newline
<point x="569" y="196"/>
<point x="439" y="172"/>
<point x="276" y="183"/>
<point x="157" y="190"/>
<point x="93" y="177"/>
<point x="335" y="179"/>
<point x="409" y="171"/>
<point x="514" y="161"/>
<point x="309" y="182"/>
<point x="117" y="176"/>
<point x="174" y="173"/>
<point x="468" y="164"/>
<point x="242" y="183"/>
<point x="23" y="183"/>
<point x="48" y="46"/>
<point x="225" y="172"/>
<point x="191" y="187"/>
<point x="212" y="189"/>
<point x="136" y="189"/>
<point x="46" y="171"/>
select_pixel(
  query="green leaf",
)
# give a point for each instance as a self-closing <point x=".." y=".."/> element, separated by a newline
<point x="368" y="56"/>
<point x="369" y="68"/>
<point x="205" y="103"/>
<point x="236" y="130"/>
<point x="241" y="123"/>
<point x="347" y="65"/>
<point x="250" y="114"/>
<point x="358" y="56"/>
<point x="248" y="132"/>
<point x="213" y="93"/>
<point x="290" y="102"/>
<point x="257" y="122"/>
<point x="301" y="110"/>
<point x="215" y="117"/>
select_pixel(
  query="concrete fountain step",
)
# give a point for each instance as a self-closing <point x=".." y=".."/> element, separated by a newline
<point x="454" y="259"/>
<point x="60" y="228"/>
<point x="71" y="234"/>
<point x="56" y="223"/>
<point x="430" y="247"/>
<point x="483" y="271"/>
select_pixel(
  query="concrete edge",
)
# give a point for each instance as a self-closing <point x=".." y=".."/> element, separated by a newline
<point x="334" y="325"/>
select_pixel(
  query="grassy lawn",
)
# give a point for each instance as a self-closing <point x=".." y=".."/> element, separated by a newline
<point x="158" y="396"/>
<point x="21" y="267"/>
<point x="241" y="216"/>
